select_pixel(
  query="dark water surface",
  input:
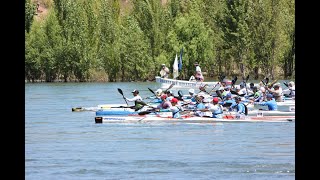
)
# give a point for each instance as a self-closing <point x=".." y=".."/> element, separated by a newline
<point x="61" y="144"/>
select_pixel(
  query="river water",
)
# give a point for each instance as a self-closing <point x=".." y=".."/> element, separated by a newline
<point x="61" y="144"/>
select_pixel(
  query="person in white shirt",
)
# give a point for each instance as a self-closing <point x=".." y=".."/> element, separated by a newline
<point x="198" y="75"/>
<point x="164" y="72"/>
<point x="138" y="103"/>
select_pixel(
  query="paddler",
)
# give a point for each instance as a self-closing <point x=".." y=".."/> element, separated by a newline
<point x="271" y="103"/>
<point x="137" y="99"/>
<point x="175" y="109"/>
<point x="276" y="92"/>
<point x="241" y="109"/>
<point x="216" y="108"/>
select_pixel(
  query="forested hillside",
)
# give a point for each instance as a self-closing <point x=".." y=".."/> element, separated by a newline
<point x="128" y="40"/>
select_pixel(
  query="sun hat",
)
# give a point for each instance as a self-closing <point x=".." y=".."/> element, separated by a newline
<point x="163" y="65"/>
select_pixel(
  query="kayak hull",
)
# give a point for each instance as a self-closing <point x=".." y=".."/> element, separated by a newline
<point x="188" y="119"/>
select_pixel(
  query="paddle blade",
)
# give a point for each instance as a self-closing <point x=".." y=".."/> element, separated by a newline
<point x="233" y="92"/>
<point x="180" y="94"/>
<point x="234" y="80"/>
<point x="247" y="78"/>
<point x="171" y="85"/>
<point x="144" y="112"/>
<point x="120" y="91"/>
<point x="152" y="91"/>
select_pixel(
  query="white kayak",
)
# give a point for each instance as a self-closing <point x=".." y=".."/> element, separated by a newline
<point x="109" y="107"/>
<point x="99" y="107"/>
<point x="167" y="117"/>
<point x="257" y="112"/>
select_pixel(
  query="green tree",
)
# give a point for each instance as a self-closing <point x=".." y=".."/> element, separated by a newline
<point x="30" y="10"/>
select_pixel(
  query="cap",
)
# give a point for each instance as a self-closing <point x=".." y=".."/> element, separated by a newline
<point x="169" y="92"/>
<point x="159" y="91"/>
<point x="191" y="91"/>
<point x="227" y="87"/>
<point x="291" y="83"/>
<point x="221" y="88"/>
<point x="135" y="91"/>
<point x="215" y="100"/>
<point x="276" y="86"/>
<point x="196" y="63"/>
<point x="163" y="96"/>
<point x="269" y="96"/>
<point x="228" y="95"/>
<point x="237" y="98"/>
<point x="163" y="65"/>
<point x="254" y="88"/>
<point x="174" y="100"/>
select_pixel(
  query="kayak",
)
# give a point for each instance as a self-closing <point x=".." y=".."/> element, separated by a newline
<point x="99" y="107"/>
<point x="146" y="110"/>
<point x="151" y="118"/>
<point x="259" y="112"/>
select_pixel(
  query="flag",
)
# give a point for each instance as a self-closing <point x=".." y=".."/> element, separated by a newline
<point x="180" y="60"/>
<point x="175" y="68"/>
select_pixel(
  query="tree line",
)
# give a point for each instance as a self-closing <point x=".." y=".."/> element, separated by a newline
<point x="102" y="40"/>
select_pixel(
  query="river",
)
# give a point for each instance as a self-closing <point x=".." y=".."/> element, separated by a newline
<point x="61" y="144"/>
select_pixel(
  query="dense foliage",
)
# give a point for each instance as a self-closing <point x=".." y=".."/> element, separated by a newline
<point x="128" y="40"/>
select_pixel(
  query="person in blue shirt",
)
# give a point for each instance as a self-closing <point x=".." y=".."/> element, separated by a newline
<point x="175" y="109"/>
<point x="239" y="106"/>
<point x="228" y="102"/>
<point x="271" y="103"/>
<point x="216" y="108"/>
<point x="199" y="106"/>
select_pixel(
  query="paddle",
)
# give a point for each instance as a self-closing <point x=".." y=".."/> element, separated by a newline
<point x="203" y="88"/>
<point x="233" y="82"/>
<point x="273" y="82"/>
<point x="120" y="91"/>
<point x="148" y="111"/>
<point x="267" y="81"/>
<point x="152" y="91"/>
<point x="171" y="85"/>
<point x="285" y="83"/>
<point x="180" y="97"/>
<point x="245" y="83"/>
<point x="221" y="77"/>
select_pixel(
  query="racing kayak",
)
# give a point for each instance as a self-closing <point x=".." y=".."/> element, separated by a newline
<point x="150" y="118"/>
<point x="99" y="107"/>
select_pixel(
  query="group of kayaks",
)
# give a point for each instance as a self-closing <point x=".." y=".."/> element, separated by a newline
<point x="122" y="113"/>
